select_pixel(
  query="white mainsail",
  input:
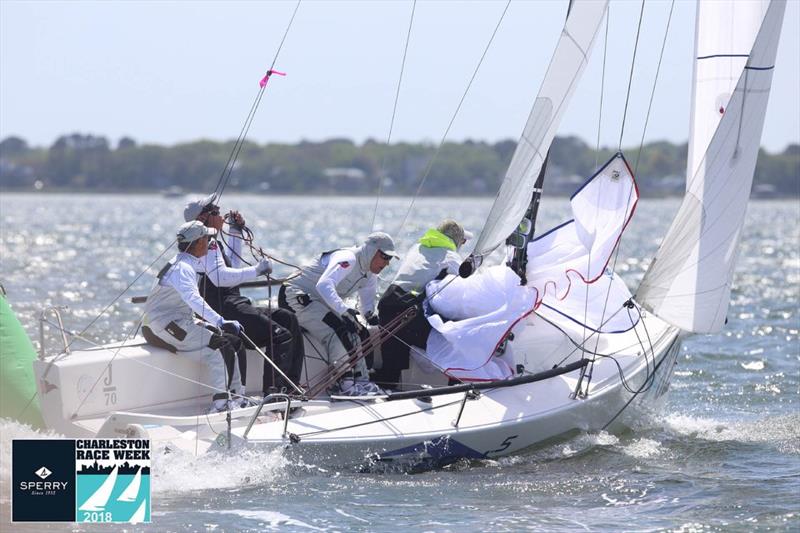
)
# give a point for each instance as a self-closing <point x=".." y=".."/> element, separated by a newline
<point x="688" y="283"/>
<point x="566" y="66"/>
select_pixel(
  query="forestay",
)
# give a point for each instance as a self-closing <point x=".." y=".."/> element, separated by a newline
<point x="474" y="315"/>
<point x="565" y="69"/>
<point x="688" y="283"/>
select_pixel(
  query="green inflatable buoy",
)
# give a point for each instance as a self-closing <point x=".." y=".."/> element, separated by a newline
<point x="18" y="396"/>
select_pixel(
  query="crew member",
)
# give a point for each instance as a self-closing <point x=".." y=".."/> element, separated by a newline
<point x="278" y="333"/>
<point x="170" y="322"/>
<point x="317" y="296"/>
<point x="433" y="257"/>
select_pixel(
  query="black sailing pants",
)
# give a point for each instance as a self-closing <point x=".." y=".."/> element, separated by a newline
<point x="395" y="350"/>
<point x="284" y="344"/>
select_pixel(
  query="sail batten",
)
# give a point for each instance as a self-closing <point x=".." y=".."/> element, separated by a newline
<point x="566" y="67"/>
<point x="688" y="284"/>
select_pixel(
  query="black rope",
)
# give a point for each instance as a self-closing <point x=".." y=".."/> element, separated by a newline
<point x="630" y="77"/>
<point x="394" y="113"/>
<point x="429" y="166"/>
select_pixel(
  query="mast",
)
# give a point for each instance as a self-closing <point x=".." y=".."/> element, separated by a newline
<point x="524" y="233"/>
<point x="513" y="199"/>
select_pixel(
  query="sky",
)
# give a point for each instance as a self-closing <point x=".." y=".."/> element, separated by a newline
<point x="170" y="72"/>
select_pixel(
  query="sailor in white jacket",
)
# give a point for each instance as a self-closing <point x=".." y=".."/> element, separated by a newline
<point x="317" y="297"/>
<point x="170" y="317"/>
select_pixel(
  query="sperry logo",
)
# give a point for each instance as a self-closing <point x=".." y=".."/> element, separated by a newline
<point x="43" y="472"/>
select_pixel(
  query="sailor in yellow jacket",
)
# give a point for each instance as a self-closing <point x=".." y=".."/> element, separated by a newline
<point x="433" y="257"/>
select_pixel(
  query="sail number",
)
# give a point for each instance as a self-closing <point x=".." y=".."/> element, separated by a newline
<point x="96" y="517"/>
<point x="503" y="445"/>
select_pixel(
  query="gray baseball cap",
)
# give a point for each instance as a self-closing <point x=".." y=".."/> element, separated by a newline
<point x="383" y="242"/>
<point x="193" y="209"/>
<point x="191" y="231"/>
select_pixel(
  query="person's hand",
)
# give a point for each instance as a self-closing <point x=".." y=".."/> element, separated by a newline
<point x="372" y="318"/>
<point x="350" y="319"/>
<point x="231" y="326"/>
<point x="264" y="267"/>
<point x="235" y="219"/>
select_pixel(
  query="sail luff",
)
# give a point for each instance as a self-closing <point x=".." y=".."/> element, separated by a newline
<point x="566" y="67"/>
<point x="688" y="284"/>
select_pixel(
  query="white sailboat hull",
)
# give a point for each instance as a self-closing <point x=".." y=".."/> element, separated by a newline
<point x="499" y="422"/>
<point x="153" y="404"/>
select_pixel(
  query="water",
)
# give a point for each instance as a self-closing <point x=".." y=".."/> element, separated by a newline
<point x="723" y="455"/>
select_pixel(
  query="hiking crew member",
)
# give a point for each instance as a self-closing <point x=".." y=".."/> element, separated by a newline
<point x="433" y="257"/>
<point x="279" y="332"/>
<point x="170" y="322"/>
<point x="317" y="297"/>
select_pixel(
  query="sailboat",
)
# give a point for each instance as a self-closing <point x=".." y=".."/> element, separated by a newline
<point x="131" y="492"/>
<point x="550" y="343"/>
<point x="99" y="498"/>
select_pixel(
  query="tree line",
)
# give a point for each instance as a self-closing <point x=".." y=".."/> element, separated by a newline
<point x="79" y="162"/>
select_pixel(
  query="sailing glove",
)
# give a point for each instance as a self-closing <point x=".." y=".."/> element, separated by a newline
<point x="372" y="318"/>
<point x="235" y="220"/>
<point x="264" y="267"/>
<point x="350" y="320"/>
<point x="231" y="326"/>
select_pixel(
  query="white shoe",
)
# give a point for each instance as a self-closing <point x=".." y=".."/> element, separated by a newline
<point x="218" y="406"/>
<point x="351" y="387"/>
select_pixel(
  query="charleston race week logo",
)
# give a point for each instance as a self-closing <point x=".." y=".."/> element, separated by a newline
<point x="83" y="480"/>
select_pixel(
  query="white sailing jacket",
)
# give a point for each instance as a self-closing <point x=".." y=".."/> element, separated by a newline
<point x="337" y="275"/>
<point x="175" y="296"/>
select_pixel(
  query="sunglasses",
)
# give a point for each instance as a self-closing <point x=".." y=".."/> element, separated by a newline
<point x="211" y="210"/>
<point x="385" y="257"/>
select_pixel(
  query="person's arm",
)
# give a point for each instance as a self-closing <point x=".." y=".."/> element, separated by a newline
<point x="183" y="279"/>
<point x="366" y="295"/>
<point x="340" y="264"/>
<point x="234" y="243"/>
<point x="452" y="262"/>
<point x="222" y="275"/>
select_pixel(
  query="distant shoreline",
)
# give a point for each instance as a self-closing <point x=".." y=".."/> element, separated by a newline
<point x="88" y="163"/>
<point x="109" y="192"/>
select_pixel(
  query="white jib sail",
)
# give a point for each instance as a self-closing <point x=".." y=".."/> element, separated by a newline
<point x="98" y="500"/>
<point x="688" y="283"/>
<point x="131" y="492"/>
<point x="566" y="66"/>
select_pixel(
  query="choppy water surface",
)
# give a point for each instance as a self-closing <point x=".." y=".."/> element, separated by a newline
<point x="723" y="455"/>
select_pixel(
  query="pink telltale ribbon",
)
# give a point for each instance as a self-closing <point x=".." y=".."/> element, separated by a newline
<point x="265" y="79"/>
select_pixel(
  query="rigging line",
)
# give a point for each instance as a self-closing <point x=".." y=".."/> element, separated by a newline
<point x="379" y="420"/>
<point x="630" y="77"/>
<point x="394" y="113"/>
<point x="251" y="115"/>
<point x="106" y="308"/>
<point x="647" y="119"/>
<point x="230" y="162"/>
<point x="596" y="164"/>
<point x="602" y="90"/>
<point x="452" y="120"/>
<point x="637" y="393"/>
<point x="655" y="84"/>
<point x="108" y="365"/>
<point x="79" y="335"/>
